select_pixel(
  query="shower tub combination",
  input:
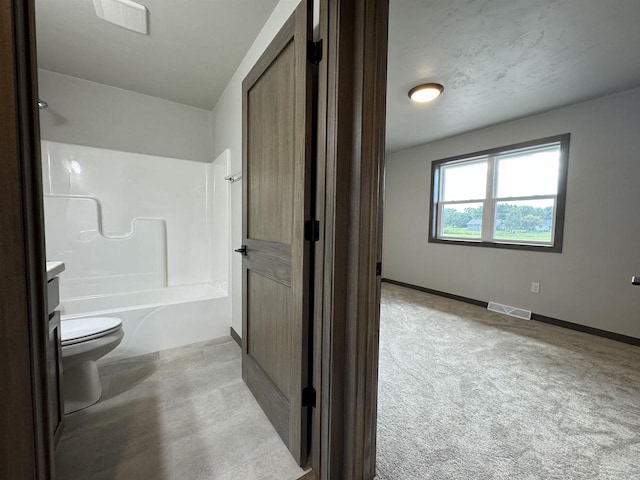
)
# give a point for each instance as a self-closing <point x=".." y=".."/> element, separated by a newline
<point x="144" y="239"/>
<point x="158" y="319"/>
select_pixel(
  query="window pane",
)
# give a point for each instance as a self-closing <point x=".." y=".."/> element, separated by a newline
<point x="524" y="221"/>
<point x="526" y="174"/>
<point x="467" y="181"/>
<point x="462" y="220"/>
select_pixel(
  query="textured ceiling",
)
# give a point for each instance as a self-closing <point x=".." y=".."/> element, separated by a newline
<point x="193" y="49"/>
<point x="503" y="59"/>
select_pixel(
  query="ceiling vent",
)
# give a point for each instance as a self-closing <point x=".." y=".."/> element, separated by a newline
<point x="124" y="13"/>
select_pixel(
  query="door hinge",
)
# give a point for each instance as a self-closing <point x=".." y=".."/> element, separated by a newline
<point x="378" y="269"/>
<point x="309" y="397"/>
<point x="314" y="52"/>
<point x="312" y="230"/>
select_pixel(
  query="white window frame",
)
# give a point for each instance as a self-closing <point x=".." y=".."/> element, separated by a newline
<point x="490" y="201"/>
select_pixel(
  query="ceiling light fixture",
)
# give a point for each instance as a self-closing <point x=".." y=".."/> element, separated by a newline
<point x="426" y="92"/>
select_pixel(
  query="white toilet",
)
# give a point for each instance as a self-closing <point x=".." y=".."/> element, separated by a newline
<point x="84" y="342"/>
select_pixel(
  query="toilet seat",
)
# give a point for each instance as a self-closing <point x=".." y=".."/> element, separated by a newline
<point x="85" y="329"/>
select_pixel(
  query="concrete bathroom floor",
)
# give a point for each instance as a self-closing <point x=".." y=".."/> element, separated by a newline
<point x="183" y="413"/>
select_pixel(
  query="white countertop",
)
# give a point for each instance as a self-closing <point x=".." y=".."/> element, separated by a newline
<point x="54" y="269"/>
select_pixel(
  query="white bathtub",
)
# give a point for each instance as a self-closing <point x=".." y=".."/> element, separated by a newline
<point x="158" y="319"/>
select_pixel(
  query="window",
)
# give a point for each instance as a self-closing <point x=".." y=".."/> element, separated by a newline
<point x="509" y="197"/>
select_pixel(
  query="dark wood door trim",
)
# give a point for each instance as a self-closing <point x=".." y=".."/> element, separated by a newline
<point x="352" y="85"/>
<point x="26" y="448"/>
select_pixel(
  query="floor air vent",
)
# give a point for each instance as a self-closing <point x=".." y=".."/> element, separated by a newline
<point x="507" y="310"/>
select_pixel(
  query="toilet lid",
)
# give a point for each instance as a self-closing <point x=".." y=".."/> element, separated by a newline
<point x="84" y="329"/>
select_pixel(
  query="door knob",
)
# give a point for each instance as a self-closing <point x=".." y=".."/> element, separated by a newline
<point x="635" y="280"/>
<point x="242" y="250"/>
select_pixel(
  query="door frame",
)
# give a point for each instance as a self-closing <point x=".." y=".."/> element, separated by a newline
<point x="26" y="448"/>
<point x="351" y="121"/>
<point x="351" y="146"/>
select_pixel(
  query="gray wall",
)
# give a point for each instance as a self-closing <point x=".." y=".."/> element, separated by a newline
<point x="589" y="283"/>
<point x="88" y="113"/>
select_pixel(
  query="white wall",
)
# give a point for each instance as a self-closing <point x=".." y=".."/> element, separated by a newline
<point x="227" y="133"/>
<point x="589" y="282"/>
<point x="88" y="113"/>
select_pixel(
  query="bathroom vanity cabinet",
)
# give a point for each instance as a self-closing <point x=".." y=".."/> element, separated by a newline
<point x="54" y="352"/>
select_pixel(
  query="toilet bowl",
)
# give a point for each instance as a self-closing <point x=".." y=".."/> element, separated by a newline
<point x="84" y="342"/>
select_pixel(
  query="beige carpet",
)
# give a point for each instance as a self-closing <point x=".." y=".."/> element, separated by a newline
<point x="468" y="394"/>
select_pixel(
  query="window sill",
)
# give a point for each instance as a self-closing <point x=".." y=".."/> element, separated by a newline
<point x="531" y="247"/>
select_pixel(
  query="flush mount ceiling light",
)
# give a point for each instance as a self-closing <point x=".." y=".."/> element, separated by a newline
<point x="124" y="13"/>
<point x="426" y="92"/>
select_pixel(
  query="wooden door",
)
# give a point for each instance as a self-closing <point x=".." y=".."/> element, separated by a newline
<point x="277" y="130"/>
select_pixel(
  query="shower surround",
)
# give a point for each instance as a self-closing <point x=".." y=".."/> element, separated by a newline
<point x="144" y="238"/>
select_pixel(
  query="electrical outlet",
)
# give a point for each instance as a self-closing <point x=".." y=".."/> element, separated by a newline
<point x="535" y="287"/>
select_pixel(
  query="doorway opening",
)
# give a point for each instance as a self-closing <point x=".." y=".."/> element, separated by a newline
<point x="489" y="192"/>
<point x="142" y="174"/>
